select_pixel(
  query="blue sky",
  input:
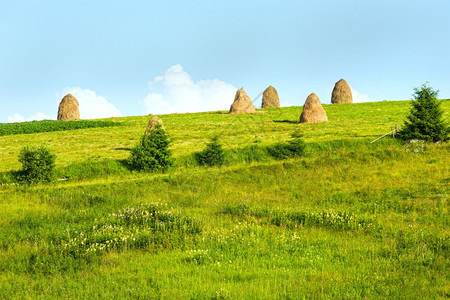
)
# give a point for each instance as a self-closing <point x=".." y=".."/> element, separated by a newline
<point x="138" y="57"/>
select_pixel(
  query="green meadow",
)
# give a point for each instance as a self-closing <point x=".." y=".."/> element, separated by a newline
<point x="349" y="219"/>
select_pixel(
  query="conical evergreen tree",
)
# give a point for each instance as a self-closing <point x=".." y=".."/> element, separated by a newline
<point x="152" y="153"/>
<point x="212" y="155"/>
<point x="424" y="121"/>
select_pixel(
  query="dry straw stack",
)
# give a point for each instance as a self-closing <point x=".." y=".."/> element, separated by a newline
<point x="313" y="111"/>
<point x="68" y="108"/>
<point x="270" y="98"/>
<point x="152" y="124"/>
<point x="242" y="103"/>
<point x="341" y="93"/>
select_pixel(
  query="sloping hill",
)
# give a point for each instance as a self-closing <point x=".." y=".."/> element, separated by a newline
<point x="356" y="122"/>
<point x="349" y="219"/>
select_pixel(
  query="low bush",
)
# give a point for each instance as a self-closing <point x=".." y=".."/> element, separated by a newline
<point x="38" y="164"/>
<point x="213" y="155"/>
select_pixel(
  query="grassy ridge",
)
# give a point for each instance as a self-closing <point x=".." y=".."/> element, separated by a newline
<point x="50" y="126"/>
<point x="189" y="132"/>
<point x="350" y="219"/>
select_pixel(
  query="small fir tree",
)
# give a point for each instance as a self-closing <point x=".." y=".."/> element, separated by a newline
<point x="213" y="155"/>
<point x="424" y="121"/>
<point x="152" y="153"/>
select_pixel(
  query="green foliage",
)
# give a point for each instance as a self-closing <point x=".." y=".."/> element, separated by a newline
<point x="318" y="226"/>
<point x="292" y="148"/>
<point x="38" y="164"/>
<point x="213" y="155"/>
<point x="425" y="120"/>
<point x="237" y="132"/>
<point x="152" y="153"/>
<point x="50" y="125"/>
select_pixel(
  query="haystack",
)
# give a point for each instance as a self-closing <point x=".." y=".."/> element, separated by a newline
<point x="68" y="108"/>
<point x="242" y="103"/>
<point x="341" y="93"/>
<point x="313" y="111"/>
<point x="152" y="124"/>
<point x="270" y="98"/>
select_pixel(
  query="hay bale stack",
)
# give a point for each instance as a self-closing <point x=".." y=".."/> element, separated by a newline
<point x="270" y="98"/>
<point x="242" y="103"/>
<point x="342" y="93"/>
<point x="313" y="111"/>
<point x="152" y="125"/>
<point x="68" y="109"/>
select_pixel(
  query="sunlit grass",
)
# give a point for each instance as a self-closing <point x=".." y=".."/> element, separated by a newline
<point x="349" y="219"/>
<point x="190" y="131"/>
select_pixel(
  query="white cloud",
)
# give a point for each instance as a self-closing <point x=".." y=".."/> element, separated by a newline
<point x="176" y="92"/>
<point x="359" y="97"/>
<point x="19" y="118"/>
<point x="92" y="106"/>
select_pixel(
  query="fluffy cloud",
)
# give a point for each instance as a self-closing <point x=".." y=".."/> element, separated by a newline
<point x="176" y="92"/>
<point x="359" y="97"/>
<point x="92" y="106"/>
<point x="19" y="118"/>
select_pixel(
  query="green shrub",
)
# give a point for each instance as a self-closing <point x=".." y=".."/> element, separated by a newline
<point x="425" y="121"/>
<point x="292" y="148"/>
<point x="38" y="164"/>
<point x="152" y="153"/>
<point x="213" y="155"/>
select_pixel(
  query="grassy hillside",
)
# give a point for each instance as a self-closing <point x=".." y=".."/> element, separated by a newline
<point x="189" y="131"/>
<point x="349" y="219"/>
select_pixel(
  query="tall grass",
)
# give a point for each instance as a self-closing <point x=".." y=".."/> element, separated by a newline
<point x="348" y="219"/>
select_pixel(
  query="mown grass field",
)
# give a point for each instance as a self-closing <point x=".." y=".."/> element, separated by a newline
<point x="349" y="219"/>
